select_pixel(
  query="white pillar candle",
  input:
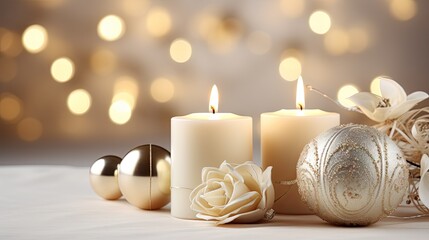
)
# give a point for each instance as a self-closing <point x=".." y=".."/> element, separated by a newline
<point x="201" y="140"/>
<point x="283" y="136"/>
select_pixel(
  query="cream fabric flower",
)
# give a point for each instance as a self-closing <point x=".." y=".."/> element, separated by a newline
<point x="242" y="194"/>
<point x="392" y="103"/>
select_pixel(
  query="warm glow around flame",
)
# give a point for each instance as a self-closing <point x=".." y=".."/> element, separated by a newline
<point x="214" y="100"/>
<point x="300" y="98"/>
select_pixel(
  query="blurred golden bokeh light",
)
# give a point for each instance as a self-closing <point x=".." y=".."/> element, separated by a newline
<point x="10" y="107"/>
<point x="35" y="38"/>
<point x="8" y="69"/>
<point x="337" y="42"/>
<point x="259" y="42"/>
<point x="134" y="7"/>
<point x="120" y="112"/>
<point x="290" y="69"/>
<point x="220" y="33"/>
<point x="126" y="97"/>
<point x="111" y="28"/>
<point x="403" y="10"/>
<point x="103" y="61"/>
<point x="62" y="69"/>
<point x="162" y="90"/>
<point x="10" y="44"/>
<point x="30" y="129"/>
<point x="158" y="22"/>
<point x="79" y="101"/>
<point x="126" y="84"/>
<point x="345" y="92"/>
<point x="320" y="22"/>
<point x="180" y="50"/>
<point x="292" y="8"/>
<point x="359" y="40"/>
<point x="375" y="86"/>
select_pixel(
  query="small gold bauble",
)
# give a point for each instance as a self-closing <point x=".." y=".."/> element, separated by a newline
<point x="352" y="175"/>
<point x="144" y="177"/>
<point x="102" y="176"/>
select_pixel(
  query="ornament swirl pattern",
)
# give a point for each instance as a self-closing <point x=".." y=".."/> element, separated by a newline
<point x="352" y="175"/>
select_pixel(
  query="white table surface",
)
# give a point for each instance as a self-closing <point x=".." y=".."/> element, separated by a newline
<point x="57" y="202"/>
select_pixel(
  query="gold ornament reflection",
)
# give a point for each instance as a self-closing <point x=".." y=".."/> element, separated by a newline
<point x="144" y="177"/>
<point x="103" y="177"/>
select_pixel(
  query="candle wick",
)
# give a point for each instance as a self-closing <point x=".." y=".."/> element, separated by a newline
<point x="213" y="109"/>
<point x="300" y="106"/>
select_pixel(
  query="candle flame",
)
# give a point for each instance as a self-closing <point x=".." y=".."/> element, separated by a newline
<point x="214" y="100"/>
<point x="300" y="98"/>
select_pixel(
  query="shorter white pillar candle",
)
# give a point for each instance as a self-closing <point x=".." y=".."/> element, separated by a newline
<point x="201" y="140"/>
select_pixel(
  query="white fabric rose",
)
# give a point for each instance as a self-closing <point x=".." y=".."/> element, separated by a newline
<point x="242" y="194"/>
<point x="392" y="103"/>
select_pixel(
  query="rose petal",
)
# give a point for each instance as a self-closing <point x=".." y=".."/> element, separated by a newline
<point x="236" y="175"/>
<point x="215" y="200"/>
<point x="211" y="172"/>
<point x="424" y="180"/>
<point x="234" y="214"/>
<point x="246" y="217"/>
<point x="196" y="191"/>
<point x="200" y="205"/>
<point x="235" y="204"/>
<point x="252" y="176"/>
<point x="246" y="208"/>
<point x="225" y="167"/>
<point x="392" y="91"/>
<point x="239" y="189"/>
<point x="267" y="200"/>
<point x="228" y="188"/>
<point x="411" y="101"/>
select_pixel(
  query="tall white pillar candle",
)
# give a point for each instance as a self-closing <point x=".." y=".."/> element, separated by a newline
<point x="283" y="136"/>
<point x="201" y="140"/>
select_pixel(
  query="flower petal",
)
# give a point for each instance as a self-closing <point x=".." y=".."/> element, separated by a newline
<point x="211" y="172"/>
<point x="252" y="176"/>
<point x="411" y="101"/>
<point x="214" y="199"/>
<point x="246" y="217"/>
<point x="365" y="100"/>
<point x="382" y="114"/>
<point x="392" y="91"/>
<point x="238" y="203"/>
<point x="239" y="189"/>
<point x="367" y="103"/>
<point x="424" y="180"/>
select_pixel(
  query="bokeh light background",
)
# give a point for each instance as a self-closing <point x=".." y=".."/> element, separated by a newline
<point x="81" y="79"/>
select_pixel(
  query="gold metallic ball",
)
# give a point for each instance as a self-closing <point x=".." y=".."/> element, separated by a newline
<point x="144" y="177"/>
<point x="103" y="177"/>
<point x="352" y="175"/>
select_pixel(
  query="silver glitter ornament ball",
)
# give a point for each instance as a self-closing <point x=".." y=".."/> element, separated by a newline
<point x="144" y="177"/>
<point x="103" y="177"/>
<point x="352" y="175"/>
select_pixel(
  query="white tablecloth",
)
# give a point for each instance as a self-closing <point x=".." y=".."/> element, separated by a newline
<point x="56" y="202"/>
